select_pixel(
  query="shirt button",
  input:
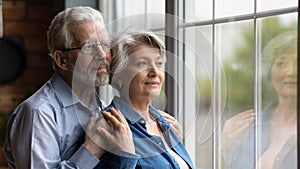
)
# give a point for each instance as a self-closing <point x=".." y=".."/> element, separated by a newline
<point x="160" y="143"/>
<point x="142" y="121"/>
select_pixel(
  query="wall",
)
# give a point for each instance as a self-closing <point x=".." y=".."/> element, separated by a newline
<point x="26" y="22"/>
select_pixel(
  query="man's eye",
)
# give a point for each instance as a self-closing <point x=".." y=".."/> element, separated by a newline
<point x="142" y="63"/>
<point x="89" y="46"/>
<point x="105" y="46"/>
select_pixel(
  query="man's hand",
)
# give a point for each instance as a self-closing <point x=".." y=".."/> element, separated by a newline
<point x="175" y="125"/>
<point x="110" y="133"/>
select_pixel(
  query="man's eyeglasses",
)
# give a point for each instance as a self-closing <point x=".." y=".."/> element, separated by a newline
<point x="89" y="48"/>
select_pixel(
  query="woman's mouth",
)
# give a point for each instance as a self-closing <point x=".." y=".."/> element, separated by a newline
<point x="152" y="83"/>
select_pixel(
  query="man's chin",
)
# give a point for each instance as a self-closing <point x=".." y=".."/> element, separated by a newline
<point x="102" y="80"/>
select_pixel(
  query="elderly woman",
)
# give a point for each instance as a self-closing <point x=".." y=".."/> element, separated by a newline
<point x="138" y="75"/>
<point x="274" y="134"/>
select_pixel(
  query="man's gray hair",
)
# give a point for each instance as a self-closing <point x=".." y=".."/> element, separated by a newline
<point x="60" y="34"/>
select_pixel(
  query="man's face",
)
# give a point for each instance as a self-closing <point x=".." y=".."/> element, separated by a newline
<point x="91" y="63"/>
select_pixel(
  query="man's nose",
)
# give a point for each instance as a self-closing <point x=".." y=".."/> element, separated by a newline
<point x="100" y="53"/>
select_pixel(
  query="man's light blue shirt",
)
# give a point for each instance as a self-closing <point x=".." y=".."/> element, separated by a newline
<point x="47" y="130"/>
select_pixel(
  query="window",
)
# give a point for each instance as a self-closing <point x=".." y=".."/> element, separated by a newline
<point x="224" y="52"/>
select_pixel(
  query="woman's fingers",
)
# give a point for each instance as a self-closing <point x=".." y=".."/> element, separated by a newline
<point x="114" y="118"/>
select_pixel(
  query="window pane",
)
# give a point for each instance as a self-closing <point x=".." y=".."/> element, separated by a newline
<point x="235" y="49"/>
<point x="277" y="114"/>
<point x="136" y="14"/>
<point x="269" y="138"/>
<point x="264" y="5"/>
<point x="225" y="8"/>
<point x="132" y="7"/>
<point x="198" y="83"/>
<point x="156" y="6"/>
<point x="155" y="15"/>
<point x="197" y="10"/>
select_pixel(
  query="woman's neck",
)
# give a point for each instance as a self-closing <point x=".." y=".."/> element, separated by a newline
<point x="140" y="105"/>
<point x="286" y="107"/>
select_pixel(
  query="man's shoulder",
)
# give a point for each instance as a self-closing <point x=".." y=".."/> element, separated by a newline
<point x="43" y="96"/>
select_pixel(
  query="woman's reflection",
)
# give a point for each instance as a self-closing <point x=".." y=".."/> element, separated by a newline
<point x="268" y="141"/>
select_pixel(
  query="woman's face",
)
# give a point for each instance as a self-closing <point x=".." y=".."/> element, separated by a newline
<point x="144" y="74"/>
<point x="284" y="75"/>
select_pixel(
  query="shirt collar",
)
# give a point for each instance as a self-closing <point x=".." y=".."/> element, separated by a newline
<point x="63" y="90"/>
<point x="68" y="98"/>
<point x="130" y="114"/>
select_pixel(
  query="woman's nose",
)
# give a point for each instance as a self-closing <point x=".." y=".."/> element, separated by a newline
<point x="153" y="69"/>
<point x="292" y="68"/>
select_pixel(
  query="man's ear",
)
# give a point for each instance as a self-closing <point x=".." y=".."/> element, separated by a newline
<point x="119" y="82"/>
<point x="60" y="60"/>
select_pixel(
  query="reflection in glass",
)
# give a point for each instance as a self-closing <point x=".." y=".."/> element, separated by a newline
<point x="266" y="138"/>
<point x="235" y="48"/>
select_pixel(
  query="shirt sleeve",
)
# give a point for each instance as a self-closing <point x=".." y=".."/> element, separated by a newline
<point x="35" y="143"/>
<point x="120" y="160"/>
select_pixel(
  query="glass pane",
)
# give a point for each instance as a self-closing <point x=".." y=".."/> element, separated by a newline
<point x="264" y="5"/>
<point x="127" y="14"/>
<point x="132" y="7"/>
<point x="265" y="136"/>
<point x="198" y="61"/>
<point x="72" y="3"/>
<point x="155" y="14"/>
<point x="156" y="6"/>
<point x="235" y="50"/>
<point x="197" y="10"/>
<point x="276" y="124"/>
<point x="225" y="8"/>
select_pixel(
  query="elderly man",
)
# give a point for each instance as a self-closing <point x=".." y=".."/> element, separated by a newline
<point x="61" y="124"/>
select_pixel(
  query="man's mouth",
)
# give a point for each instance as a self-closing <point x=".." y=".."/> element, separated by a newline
<point x="102" y="68"/>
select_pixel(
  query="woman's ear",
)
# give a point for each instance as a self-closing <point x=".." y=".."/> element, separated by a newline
<point x="60" y="60"/>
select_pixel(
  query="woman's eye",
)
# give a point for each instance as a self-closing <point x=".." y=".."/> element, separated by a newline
<point x="280" y="63"/>
<point x="159" y="64"/>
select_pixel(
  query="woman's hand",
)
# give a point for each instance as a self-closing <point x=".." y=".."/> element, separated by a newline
<point x="235" y="127"/>
<point x="175" y="125"/>
<point x="110" y="133"/>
